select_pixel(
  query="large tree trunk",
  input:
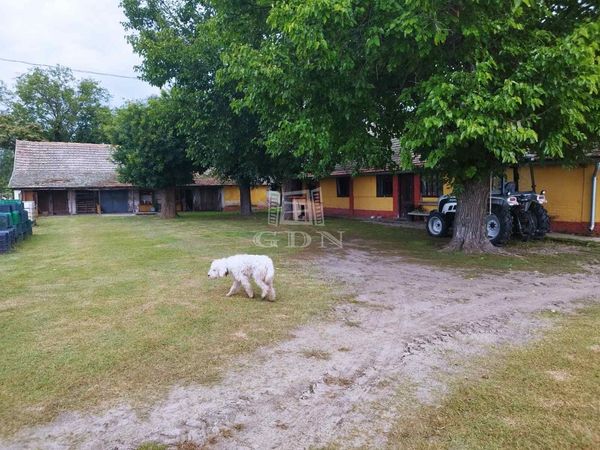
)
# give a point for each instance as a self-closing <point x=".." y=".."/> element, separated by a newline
<point x="245" y="200"/>
<point x="470" y="233"/>
<point x="168" y="208"/>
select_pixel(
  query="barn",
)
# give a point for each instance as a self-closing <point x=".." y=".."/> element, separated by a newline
<point x="69" y="178"/>
<point x="74" y="178"/>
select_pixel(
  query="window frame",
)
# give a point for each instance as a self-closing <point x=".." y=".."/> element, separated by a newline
<point x="431" y="185"/>
<point x="338" y="187"/>
<point x="384" y="185"/>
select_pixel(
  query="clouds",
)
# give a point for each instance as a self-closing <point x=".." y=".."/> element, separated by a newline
<point x="82" y="34"/>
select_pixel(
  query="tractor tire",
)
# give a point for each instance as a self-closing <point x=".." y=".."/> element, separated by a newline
<point x="437" y="225"/>
<point x="527" y="224"/>
<point x="499" y="225"/>
<point x="542" y="220"/>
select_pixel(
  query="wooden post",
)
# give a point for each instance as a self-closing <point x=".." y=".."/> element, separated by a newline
<point x="396" y="195"/>
<point x="416" y="189"/>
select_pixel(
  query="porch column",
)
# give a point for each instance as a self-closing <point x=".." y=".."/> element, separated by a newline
<point x="72" y="201"/>
<point x="416" y="189"/>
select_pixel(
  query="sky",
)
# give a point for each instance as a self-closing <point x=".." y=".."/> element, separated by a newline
<point x="80" y="34"/>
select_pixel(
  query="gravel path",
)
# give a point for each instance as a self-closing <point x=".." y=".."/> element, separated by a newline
<point x="339" y="380"/>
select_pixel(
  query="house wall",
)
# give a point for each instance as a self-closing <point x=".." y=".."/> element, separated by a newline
<point x="365" y="196"/>
<point x="258" y="196"/>
<point x="71" y="197"/>
<point x="329" y="195"/>
<point x="569" y="193"/>
<point x="363" y="200"/>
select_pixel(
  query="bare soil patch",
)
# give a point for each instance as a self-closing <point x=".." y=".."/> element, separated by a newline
<point x="408" y="325"/>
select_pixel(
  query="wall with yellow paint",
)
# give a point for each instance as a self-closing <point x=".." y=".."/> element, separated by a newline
<point x="365" y="195"/>
<point x="231" y="195"/>
<point x="429" y="204"/>
<point x="568" y="191"/>
<point x="329" y="195"/>
<point x="258" y="196"/>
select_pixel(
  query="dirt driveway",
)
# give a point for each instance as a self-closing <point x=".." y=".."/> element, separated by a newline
<point x="340" y="380"/>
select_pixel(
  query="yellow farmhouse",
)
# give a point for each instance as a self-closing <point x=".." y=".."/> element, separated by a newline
<point x="571" y="192"/>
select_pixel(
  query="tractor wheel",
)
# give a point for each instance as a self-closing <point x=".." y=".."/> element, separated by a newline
<point x="499" y="225"/>
<point x="437" y="225"/>
<point x="542" y="220"/>
<point x="528" y="224"/>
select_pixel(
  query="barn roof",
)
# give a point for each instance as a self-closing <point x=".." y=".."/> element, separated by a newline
<point x="67" y="165"/>
<point x="63" y="165"/>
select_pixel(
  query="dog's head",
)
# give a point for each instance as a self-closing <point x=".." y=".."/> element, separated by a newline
<point x="218" y="269"/>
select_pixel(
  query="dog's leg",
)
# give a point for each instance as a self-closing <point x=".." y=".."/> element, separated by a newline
<point x="235" y="287"/>
<point x="271" y="294"/>
<point x="247" y="287"/>
<point x="263" y="286"/>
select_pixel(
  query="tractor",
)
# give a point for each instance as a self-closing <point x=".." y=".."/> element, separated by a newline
<point x="511" y="213"/>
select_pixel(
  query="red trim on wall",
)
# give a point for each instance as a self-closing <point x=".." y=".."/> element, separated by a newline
<point x="574" y="228"/>
<point x="396" y="195"/>
<point x="416" y="189"/>
<point x="369" y="213"/>
<point x="343" y="212"/>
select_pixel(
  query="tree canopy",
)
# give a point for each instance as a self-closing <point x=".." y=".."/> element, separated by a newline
<point x="151" y="147"/>
<point x="469" y="87"/>
<point x="11" y="130"/>
<point x="181" y="43"/>
<point x="66" y="109"/>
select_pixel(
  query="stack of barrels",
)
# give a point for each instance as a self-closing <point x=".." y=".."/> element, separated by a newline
<point x="14" y="224"/>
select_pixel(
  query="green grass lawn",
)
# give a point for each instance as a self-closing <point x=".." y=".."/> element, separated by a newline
<point x="97" y="309"/>
<point x="546" y="395"/>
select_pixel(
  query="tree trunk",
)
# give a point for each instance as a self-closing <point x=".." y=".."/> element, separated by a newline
<point x="168" y="208"/>
<point x="470" y="234"/>
<point x="245" y="200"/>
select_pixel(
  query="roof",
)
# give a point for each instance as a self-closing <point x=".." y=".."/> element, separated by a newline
<point x="68" y="165"/>
<point x="208" y="179"/>
<point x="395" y="162"/>
<point x="63" y="165"/>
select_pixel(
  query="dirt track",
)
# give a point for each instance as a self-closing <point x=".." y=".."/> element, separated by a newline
<point x="338" y="381"/>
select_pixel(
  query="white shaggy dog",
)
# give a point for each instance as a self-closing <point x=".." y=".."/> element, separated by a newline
<point x="241" y="268"/>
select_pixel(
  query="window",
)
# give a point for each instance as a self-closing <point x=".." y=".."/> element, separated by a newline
<point x="146" y="197"/>
<point x="385" y="185"/>
<point x="343" y="186"/>
<point x="431" y="185"/>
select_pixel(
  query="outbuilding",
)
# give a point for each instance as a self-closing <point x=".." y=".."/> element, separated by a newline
<point x="76" y="178"/>
<point x="70" y="178"/>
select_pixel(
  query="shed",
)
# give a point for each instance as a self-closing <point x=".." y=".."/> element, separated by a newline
<point x="70" y="178"/>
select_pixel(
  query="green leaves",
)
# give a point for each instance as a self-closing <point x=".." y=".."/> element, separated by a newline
<point x="466" y="88"/>
<point x="150" y="146"/>
<point x="64" y="108"/>
<point x="469" y="88"/>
